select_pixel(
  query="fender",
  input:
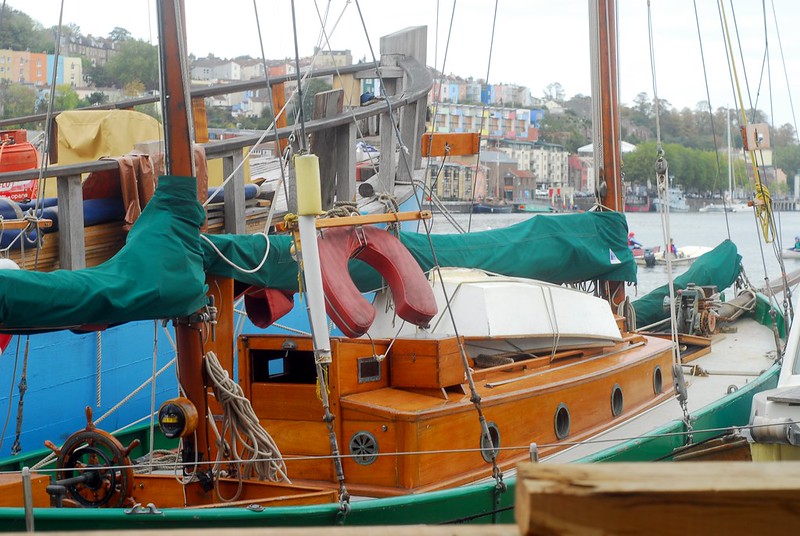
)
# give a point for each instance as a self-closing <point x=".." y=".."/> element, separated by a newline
<point x="349" y="310"/>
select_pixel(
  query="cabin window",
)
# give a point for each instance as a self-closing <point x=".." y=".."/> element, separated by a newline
<point x="369" y="370"/>
<point x="282" y="366"/>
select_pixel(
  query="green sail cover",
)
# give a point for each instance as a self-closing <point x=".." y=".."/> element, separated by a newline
<point x="559" y="249"/>
<point x="720" y="266"/>
<point x="157" y="274"/>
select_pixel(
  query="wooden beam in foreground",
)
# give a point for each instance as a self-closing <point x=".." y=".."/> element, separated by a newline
<point x="659" y="498"/>
<point x="368" y="219"/>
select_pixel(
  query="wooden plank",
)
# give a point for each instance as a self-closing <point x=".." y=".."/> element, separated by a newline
<point x="450" y="143"/>
<point x="234" y="193"/>
<point x="23" y="224"/>
<point x="346" y="163"/>
<point x="72" y="251"/>
<point x="370" y="219"/>
<point x="323" y="143"/>
<point x="658" y="498"/>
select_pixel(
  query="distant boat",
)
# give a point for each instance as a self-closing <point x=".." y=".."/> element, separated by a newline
<point x="790" y="253"/>
<point x="491" y="208"/>
<point x="637" y="202"/>
<point x="736" y="207"/>
<point x="532" y="207"/>
<point x="685" y="255"/>
<point x="677" y="202"/>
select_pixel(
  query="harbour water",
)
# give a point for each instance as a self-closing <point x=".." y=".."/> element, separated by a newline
<point x="686" y="229"/>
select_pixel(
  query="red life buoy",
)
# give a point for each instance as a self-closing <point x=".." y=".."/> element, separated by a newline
<point x="349" y="310"/>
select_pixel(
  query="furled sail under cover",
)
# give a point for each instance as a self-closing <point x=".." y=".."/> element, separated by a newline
<point x="556" y="249"/>
<point x="160" y="272"/>
<point x="720" y="266"/>
<point x="157" y="274"/>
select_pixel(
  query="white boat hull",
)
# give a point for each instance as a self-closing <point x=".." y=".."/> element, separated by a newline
<point x="502" y="314"/>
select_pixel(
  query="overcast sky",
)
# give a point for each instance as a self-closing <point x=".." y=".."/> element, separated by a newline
<point x="537" y="42"/>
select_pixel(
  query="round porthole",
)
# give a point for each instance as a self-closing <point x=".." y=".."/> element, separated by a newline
<point x="490" y="446"/>
<point x="364" y="448"/>
<point x="658" y="380"/>
<point x="562" y="421"/>
<point x="617" y="400"/>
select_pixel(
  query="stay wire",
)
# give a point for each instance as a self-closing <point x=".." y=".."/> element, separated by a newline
<point x="663" y="183"/>
<point x="711" y="119"/>
<point x="783" y="63"/>
<point x="483" y="117"/>
<point x="303" y="140"/>
<point x="474" y="396"/>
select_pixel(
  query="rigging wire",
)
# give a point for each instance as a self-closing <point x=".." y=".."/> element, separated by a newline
<point x="711" y="120"/>
<point x="483" y="118"/>
<point x="474" y="396"/>
<point x="663" y="182"/>
<point x="303" y="140"/>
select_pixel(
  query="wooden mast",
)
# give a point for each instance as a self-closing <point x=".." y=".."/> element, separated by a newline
<point x="179" y="161"/>
<point x="607" y="133"/>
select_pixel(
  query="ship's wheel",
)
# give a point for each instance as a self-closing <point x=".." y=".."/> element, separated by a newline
<point x="94" y="468"/>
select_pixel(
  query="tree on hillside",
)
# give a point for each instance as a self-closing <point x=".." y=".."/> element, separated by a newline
<point x="788" y="160"/>
<point x="136" y="61"/>
<point x="93" y="98"/>
<point x="119" y="34"/>
<point x="66" y="98"/>
<point x="784" y="136"/>
<point x="565" y="129"/>
<point x="20" y="32"/>
<point x="16" y="100"/>
<point x="554" y="92"/>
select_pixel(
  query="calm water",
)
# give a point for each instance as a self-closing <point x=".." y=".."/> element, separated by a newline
<point x="687" y="229"/>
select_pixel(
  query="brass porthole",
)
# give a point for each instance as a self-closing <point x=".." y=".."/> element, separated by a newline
<point x="658" y="380"/>
<point x="617" y="400"/>
<point x="562" y="421"/>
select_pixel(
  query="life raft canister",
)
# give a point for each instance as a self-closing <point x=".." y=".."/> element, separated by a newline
<point x="16" y="154"/>
<point x="347" y="308"/>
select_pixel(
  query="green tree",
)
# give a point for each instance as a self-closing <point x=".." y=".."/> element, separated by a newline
<point x="20" y="32"/>
<point x="788" y="160"/>
<point x="98" y="97"/>
<point x="120" y="34"/>
<point x="16" y="100"/>
<point x="66" y="98"/>
<point x="220" y="117"/>
<point x="135" y="61"/>
<point x="554" y="92"/>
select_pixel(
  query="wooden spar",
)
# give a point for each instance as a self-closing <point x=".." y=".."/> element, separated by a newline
<point x="608" y="156"/>
<point x="179" y="161"/>
<point x="611" y="170"/>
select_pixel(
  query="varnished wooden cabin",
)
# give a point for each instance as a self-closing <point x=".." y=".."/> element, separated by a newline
<point x="406" y="422"/>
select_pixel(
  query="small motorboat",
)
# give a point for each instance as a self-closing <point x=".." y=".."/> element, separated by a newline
<point x="790" y="253"/>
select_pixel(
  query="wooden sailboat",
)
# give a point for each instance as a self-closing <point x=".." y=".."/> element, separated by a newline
<point x="403" y="412"/>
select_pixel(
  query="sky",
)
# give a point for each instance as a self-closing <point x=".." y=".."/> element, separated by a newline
<point x="536" y="43"/>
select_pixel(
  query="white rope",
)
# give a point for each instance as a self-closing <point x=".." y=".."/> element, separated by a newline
<point x="234" y="265"/>
<point x="263" y="455"/>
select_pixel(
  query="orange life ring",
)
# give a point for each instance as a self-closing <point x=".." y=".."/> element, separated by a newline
<point x="349" y="310"/>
